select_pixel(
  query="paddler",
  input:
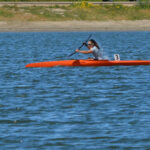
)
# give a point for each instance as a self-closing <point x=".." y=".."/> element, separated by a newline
<point x="93" y="48"/>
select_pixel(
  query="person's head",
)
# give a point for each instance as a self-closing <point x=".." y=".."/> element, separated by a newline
<point x="92" y="43"/>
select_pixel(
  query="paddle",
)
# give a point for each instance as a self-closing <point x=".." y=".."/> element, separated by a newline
<point x="81" y="45"/>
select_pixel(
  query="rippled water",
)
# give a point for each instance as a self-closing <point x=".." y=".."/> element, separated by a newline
<point x="73" y="108"/>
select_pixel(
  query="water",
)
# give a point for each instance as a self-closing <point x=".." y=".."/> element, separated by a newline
<point x="73" y="108"/>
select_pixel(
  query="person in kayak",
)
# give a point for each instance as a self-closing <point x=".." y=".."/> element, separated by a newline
<point x="93" y="48"/>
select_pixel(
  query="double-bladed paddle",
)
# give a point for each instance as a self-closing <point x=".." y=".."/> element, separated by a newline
<point x="81" y="45"/>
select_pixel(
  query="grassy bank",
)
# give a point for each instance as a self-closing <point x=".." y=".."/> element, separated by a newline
<point x="78" y="11"/>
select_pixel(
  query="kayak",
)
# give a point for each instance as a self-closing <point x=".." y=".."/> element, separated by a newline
<point x="89" y="63"/>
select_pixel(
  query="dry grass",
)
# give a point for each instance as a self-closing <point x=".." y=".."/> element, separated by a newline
<point x="79" y="11"/>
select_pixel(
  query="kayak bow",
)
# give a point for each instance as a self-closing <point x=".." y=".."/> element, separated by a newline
<point x="89" y="63"/>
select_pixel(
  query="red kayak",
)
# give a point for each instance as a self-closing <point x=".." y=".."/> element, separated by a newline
<point x="89" y="63"/>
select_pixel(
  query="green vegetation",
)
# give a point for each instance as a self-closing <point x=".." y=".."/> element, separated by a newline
<point x="77" y="11"/>
<point x="145" y="4"/>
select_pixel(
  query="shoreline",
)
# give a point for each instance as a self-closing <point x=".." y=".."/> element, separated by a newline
<point x="52" y="26"/>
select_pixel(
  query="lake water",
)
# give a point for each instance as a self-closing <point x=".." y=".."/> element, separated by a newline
<point x="84" y="108"/>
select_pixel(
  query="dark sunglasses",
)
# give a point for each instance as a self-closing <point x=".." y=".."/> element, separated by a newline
<point x="89" y="44"/>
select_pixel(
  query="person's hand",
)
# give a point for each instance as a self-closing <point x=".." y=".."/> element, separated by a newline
<point x="85" y="44"/>
<point x="77" y="50"/>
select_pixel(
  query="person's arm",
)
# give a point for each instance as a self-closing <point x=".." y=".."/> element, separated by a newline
<point x="84" y="52"/>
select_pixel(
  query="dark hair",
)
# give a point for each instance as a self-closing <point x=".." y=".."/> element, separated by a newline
<point x="95" y="43"/>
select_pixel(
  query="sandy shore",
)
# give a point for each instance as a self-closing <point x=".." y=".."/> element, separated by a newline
<point x="140" y="25"/>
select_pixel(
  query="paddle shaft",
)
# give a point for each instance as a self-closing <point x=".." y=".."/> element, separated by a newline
<point x="81" y="45"/>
